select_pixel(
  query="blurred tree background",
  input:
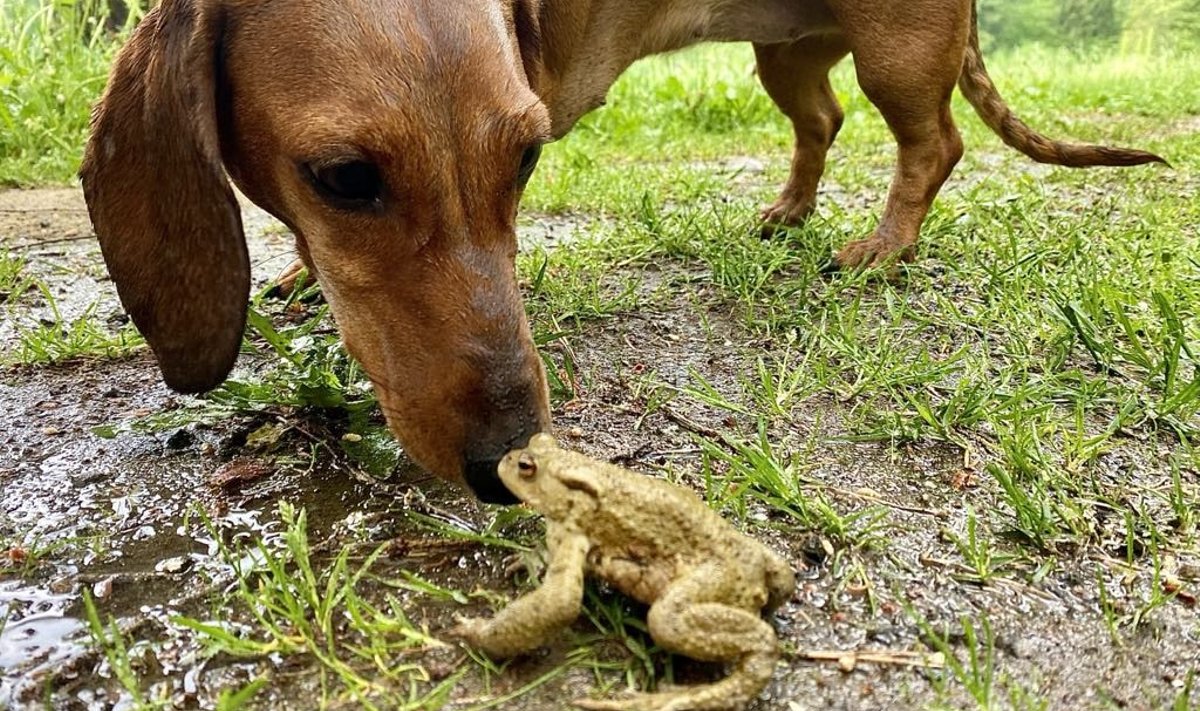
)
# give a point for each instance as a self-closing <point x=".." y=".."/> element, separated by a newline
<point x="1120" y="25"/>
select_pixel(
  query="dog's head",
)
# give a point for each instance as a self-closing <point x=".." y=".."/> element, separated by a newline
<point x="394" y="138"/>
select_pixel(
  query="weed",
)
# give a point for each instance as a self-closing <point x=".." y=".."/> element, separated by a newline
<point x="55" y="59"/>
<point x="1183" y="503"/>
<point x="559" y="360"/>
<point x="236" y="699"/>
<point x="13" y="280"/>
<point x="1036" y="519"/>
<point x="985" y="563"/>
<point x="460" y="531"/>
<point x="580" y="289"/>
<point x="504" y="699"/>
<point x="1156" y="595"/>
<point x="112" y="642"/>
<point x="359" y="647"/>
<point x="83" y="338"/>
<point x="616" y="621"/>
<point x="776" y="389"/>
<point x="23" y="557"/>
<point x="311" y="369"/>
<point x="754" y="470"/>
<point x="977" y="672"/>
<point x="1109" y="610"/>
<point x="301" y="366"/>
<point x="1183" y="700"/>
<point x="703" y="391"/>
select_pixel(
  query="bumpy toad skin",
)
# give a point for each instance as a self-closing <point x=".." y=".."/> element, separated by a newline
<point x="706" y="583"/>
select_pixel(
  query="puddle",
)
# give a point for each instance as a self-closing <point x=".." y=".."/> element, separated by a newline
<point x="36" y="622"/>
<point x="37" y="634"/>
<point x="37" y="637"/>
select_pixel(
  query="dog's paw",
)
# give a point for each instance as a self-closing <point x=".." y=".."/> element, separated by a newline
<point x="874" y="252"/>
<point x="777" y="218"/>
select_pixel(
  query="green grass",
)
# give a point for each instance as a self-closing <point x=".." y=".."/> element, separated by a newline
<point x="14" y="281"/>
<point x="24" y="556"/>
<point x="354" y="623"/>
<point x="976" y="670"/>
<point x="1044" y="324"/>
<point x="691" y="109"/>
<point x="84" y="338"/>
<point x="53" y="63"/>
<point x="1050" y="327"/>
<point x="115" y="646"/>
<point x="294" y="608"/>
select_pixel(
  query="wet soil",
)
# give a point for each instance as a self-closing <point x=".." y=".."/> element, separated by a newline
<point x="117" y="515"/>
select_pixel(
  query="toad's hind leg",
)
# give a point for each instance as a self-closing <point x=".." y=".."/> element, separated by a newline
<point x="686" y="622"/>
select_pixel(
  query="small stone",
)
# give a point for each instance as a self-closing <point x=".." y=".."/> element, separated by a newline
<point x="173" y="565"/>
<point x="91" y="476"/>
<point x="180" y="439"/>
<point x="1022" y="648"/>
<point x="238" y="473"/>
<point x="103" y="588"/>
<point x="61" y="585"/>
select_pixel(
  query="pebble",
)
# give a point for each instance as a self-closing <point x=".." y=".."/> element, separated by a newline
<point x="173" y="565"/>
<point x="103" y="588"/>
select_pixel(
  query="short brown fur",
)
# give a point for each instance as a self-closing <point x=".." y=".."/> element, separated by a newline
<point x="443" y="99"/>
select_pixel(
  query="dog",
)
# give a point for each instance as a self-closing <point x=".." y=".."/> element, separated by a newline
<point x="394" y="138"/>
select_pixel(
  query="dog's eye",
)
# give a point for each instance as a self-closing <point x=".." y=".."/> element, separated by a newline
<point x="529" y="161"/>
<point x="352" y="185"/>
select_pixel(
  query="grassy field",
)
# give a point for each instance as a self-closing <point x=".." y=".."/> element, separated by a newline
<point x="992" y="456"/>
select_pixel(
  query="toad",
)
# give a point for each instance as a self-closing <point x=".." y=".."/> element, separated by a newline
<point x="707" y="584"/>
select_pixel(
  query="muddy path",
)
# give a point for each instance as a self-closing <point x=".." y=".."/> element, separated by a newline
<point x="91" y="504"/>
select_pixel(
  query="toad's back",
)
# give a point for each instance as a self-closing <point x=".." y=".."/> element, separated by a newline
<point x="647" y="533"/>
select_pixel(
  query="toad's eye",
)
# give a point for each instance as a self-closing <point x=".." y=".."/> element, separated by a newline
<point x="529" y="161"/>
<point x="526" y="466"/>
<point x="350" y="185"/>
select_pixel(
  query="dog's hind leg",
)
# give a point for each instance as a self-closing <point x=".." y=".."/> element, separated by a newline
<point x="796" y="77"/>
<point x="909" y="78"/>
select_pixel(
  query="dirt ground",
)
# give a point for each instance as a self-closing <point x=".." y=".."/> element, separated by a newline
<point x="115" y="515"/>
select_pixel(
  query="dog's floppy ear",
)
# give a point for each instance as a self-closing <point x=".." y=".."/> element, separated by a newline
<point x="528" y="29"/>
<point x="168" y="222"/>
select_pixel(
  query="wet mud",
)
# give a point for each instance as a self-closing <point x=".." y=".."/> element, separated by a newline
<point x="91" y="506"/>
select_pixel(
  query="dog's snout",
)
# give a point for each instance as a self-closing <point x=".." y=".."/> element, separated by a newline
<point x="483" y="477"/>
<point x="489" y="445"/>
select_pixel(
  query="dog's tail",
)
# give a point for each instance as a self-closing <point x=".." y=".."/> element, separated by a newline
<point x="977" y="86"/>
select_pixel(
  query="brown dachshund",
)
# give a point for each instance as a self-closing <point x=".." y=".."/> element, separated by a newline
<point x="394" y="137"/>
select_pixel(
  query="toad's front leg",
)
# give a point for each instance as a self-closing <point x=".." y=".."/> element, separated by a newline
<point x="687" y="620"/>
<point x="527" y="622"/>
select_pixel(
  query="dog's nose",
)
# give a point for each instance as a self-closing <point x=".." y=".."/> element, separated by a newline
<point x="483" y="477"/>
